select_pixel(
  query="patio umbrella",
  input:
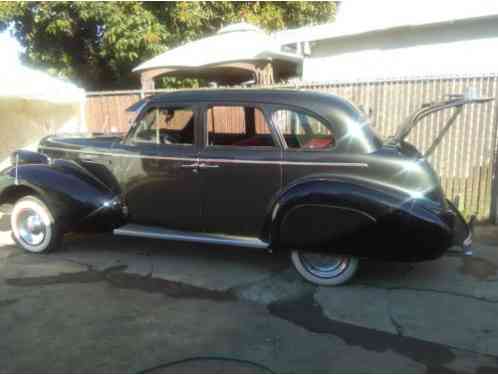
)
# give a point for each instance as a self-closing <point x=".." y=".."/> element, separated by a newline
<point x="230" y="56"/>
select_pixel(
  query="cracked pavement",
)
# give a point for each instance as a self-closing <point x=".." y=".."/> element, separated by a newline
<point x="110" y="304"/>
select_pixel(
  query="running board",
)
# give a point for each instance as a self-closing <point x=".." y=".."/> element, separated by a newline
<point x="135" y="230"/>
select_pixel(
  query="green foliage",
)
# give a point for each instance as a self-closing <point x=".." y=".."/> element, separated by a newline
<point x="98" y="43"/>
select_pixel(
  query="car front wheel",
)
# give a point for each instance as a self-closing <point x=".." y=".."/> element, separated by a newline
<point x="34" y="227"/>
<point x="324" y="269"/>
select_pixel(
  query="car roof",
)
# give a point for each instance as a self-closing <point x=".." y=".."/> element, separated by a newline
<point x="270" y="96"/>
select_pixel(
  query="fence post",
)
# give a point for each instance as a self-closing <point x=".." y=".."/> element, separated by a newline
<point x="493" y="213"/>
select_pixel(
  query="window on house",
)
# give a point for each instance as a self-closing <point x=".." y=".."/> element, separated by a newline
<point x="240" y="126"/>
<point x="302" y="131"/>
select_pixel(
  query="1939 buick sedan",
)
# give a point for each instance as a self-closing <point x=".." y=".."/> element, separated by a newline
<point x="278" y="170"/>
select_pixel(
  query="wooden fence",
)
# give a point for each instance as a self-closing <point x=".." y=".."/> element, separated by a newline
<point x="465" y="159"/>
<point x="105" y="111"/>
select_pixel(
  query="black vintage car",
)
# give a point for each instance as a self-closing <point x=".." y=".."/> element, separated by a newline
<point x="278" y="170"/>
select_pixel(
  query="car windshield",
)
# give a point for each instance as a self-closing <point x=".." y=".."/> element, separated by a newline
<point x="134" y="110"/>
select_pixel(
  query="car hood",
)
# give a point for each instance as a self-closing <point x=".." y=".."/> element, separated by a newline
<point x="79" y="141"/>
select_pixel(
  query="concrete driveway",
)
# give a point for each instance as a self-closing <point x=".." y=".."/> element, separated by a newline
<point x="109" y="304"/>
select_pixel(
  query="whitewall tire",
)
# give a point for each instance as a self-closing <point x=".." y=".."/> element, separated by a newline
<point x="324" y="269"/>
<point x="34" y="227"/>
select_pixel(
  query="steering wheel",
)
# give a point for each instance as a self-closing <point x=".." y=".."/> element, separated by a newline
<point x="167" y="139"/>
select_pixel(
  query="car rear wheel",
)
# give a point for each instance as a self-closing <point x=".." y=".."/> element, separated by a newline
<point x="34" y="227"/>
<point x="324" y="269"/>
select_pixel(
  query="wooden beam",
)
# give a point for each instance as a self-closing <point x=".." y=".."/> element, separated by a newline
<point x="264" y="74"/>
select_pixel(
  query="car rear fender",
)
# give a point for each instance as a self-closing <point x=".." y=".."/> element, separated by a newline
<point x="312" y="210"/>
<point x="321" y="213"/>
<point x="74" y="195"/>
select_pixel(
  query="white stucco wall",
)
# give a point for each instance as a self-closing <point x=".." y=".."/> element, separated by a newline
<point x="33" y="104"/>
<point x="458" y="48"/>
<point x="24" y="122"/>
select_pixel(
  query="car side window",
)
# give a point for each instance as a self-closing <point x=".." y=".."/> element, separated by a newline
<point x="166" y="126"/>
<point x="303" y="131"/>
<point x="238" y="126"/>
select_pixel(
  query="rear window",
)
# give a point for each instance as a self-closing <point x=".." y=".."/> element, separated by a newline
<point x="303" y="131"/>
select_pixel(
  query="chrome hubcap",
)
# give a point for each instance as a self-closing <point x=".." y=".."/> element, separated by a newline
<point x="324" y="266"/>
<point x="32" y="229"/>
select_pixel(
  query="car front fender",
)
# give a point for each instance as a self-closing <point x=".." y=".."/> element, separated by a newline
<point x="73" y="194"/>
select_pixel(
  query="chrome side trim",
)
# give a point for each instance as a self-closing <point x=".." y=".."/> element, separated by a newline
<point x="135" y="230"/>
<point x="332" y="206"/>
<point x="278" y="162"/>
<point x="103" y="153"/>
<point x="209" y="160"/>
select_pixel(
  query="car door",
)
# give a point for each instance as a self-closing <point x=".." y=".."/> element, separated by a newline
<point x="159" y="175"/>
<point x="239" y="168"/>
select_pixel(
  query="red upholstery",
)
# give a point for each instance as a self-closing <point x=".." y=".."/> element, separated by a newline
<point x="254" y="141"/>
<point x="259" y="140"/>
<point x="318" y="143"/>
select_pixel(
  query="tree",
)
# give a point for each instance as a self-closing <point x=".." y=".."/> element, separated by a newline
<point x="97" y="44"/>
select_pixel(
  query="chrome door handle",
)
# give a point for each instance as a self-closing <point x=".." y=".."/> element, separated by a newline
<point x="204" y="165"/>
<point x="191" y="166"/>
